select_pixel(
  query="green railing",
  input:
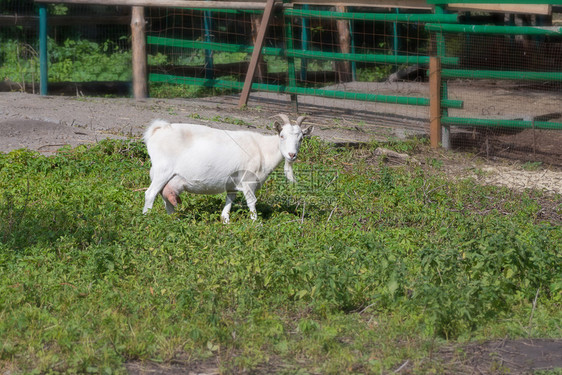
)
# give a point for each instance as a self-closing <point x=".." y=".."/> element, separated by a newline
<point x="497" y="30"/>
<point x="446" y="120"/>
<point x="386" y="17"/>
<point x="501" y="74"/>
<point x="304" y="54"/>
<point x="284" y="89"/>
<point x="500" y="123"/>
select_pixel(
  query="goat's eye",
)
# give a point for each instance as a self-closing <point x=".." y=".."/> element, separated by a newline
<point x="282" y="136"/>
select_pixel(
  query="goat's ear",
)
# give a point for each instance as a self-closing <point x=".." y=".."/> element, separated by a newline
<point x="306" y="132"/>
<point x="278" y="126"/>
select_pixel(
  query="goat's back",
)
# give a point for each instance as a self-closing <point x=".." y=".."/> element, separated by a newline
<point x="190" y="144"/>
<point x="203" y="159"/>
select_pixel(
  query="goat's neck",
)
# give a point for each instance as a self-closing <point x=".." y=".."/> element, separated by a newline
<point x="275" y="157"/>
<point x="271" y="154"/>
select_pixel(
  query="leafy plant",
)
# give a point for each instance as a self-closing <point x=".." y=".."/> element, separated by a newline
<point x="359" y="266"/>
<point x="83" y="60"/>
<point x="374" y="74"/>
<point x="19" y="62"/>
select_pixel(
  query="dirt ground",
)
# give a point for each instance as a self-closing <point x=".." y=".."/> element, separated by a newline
<point x="515" y="357"/>
<point x="45" y="124"/>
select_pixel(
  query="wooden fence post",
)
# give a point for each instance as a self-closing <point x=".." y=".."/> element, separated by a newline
<point x="343" y="67"/>
<point x="435" y="101"/>
<point x="138" y="34"/>
<point x="266" y="18"/>
<point x="261" y="68"/>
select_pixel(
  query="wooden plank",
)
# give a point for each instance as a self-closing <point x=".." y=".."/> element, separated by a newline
<point x="544" y="9"/>
<point x="410" y="4"/>
<point x="266" y="18"/>
<point x="250" y="4"/>
<point x="435" y="101"/>
<point x="442" y="2"/>
<point x="31" y="21"/>
<point x="167" y="3"/>
<point x="138" y="36"/>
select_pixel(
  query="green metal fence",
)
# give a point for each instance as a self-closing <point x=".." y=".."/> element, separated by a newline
<point x="289" y="52"/>
<point x="552" y="76"/>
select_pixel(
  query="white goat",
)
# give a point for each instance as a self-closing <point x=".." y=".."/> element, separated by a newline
<point x="203" y="160"/>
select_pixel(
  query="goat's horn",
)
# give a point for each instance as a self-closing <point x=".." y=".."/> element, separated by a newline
<point x="285" y="118"/>
<point x="300" y="120"/>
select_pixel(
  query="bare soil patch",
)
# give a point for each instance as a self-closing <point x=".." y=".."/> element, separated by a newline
<point x="516" y="357"/>
<point x="504" y="357"/>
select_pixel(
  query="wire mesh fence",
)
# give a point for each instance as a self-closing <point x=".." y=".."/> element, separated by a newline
<point x="355" y="63"/>
<point x="358" y="68"/>
<point x="511" y="87"/>
<point x="86" y="43"/>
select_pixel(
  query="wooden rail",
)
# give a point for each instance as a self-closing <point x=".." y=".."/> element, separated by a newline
<point x="31" y="21"/>
<point x="166" y="3"/>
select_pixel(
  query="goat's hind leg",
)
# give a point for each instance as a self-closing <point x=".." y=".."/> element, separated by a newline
<point x="158" y="183"/>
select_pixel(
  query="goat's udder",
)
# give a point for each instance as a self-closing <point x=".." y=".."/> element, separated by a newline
<point x="171" y="195"/>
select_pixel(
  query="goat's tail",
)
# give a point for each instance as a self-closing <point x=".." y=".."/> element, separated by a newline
<point x="153" y="128"/>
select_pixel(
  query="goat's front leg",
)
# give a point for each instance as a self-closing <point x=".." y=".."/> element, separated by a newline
<point x="251" y="200"/>
<point x="225" y="215"/>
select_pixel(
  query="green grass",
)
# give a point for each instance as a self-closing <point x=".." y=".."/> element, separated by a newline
<point x="357" y="269"/>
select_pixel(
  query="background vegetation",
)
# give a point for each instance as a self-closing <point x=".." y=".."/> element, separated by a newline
<point x="101" y="52"/>
<point x="356" y="269"/>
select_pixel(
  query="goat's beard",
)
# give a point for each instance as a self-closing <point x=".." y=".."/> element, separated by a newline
<point x="289" y="171"/>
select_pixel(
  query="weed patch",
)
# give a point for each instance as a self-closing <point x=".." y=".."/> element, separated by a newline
<point x="358" y="268"/>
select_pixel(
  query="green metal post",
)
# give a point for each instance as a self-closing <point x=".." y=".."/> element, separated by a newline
<point x="208" y="53"/>
<point x="304" y="43"/>
<point x="396" y="41"/>
<point x="440" y="40"/>
<point x="43" y="68"/>
<point x="291" y="60"/>
<point x="353" y="63"/>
